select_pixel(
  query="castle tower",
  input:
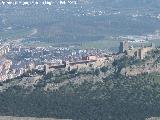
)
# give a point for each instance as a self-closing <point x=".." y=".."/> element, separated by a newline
<point x="153" y="45"/>
<point x="67" y="66"/>
<point x="141" y="53"/>
<point x="46" y="69"/>
<point x="123" y="46"/>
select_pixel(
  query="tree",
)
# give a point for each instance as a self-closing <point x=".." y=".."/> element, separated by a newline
<point x="97" y="72"/>
<point x="49" y="75"/>
<point x="73" y="71"/>
<point x="104" y="69"/>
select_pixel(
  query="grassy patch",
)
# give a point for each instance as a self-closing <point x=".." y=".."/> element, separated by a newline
<point x="15" y="34"/>
<point x="101" y="44"/>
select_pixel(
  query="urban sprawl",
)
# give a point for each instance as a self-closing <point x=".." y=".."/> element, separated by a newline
<point x="16" y="60"/>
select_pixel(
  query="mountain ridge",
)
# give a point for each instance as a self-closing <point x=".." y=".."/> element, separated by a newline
<point x="94" y="3"/>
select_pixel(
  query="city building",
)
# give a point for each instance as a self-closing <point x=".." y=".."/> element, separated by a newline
<point x="5" y="66"/>
<point x="3" y="50"/>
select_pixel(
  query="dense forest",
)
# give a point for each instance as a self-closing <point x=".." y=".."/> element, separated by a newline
<point x="114" y="98"/>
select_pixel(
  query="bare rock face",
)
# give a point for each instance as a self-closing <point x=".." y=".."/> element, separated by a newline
<point x="137" y="70"/>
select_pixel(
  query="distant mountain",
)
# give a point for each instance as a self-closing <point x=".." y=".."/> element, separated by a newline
<point x="81" y="20"/>
<point x="102" y="3"/>
<point x="127" y="3"/>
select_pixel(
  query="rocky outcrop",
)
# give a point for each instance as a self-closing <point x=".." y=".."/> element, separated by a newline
<point x="137" y="70"/>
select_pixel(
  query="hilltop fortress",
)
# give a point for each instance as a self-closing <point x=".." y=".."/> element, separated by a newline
<point x="92" y="61"/>
<point x="87" y="62"/>
<point x="138" y="52"/>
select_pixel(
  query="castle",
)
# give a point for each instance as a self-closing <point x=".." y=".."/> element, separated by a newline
<point x="138" y="52"/>
<point x="87" y="62"/>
